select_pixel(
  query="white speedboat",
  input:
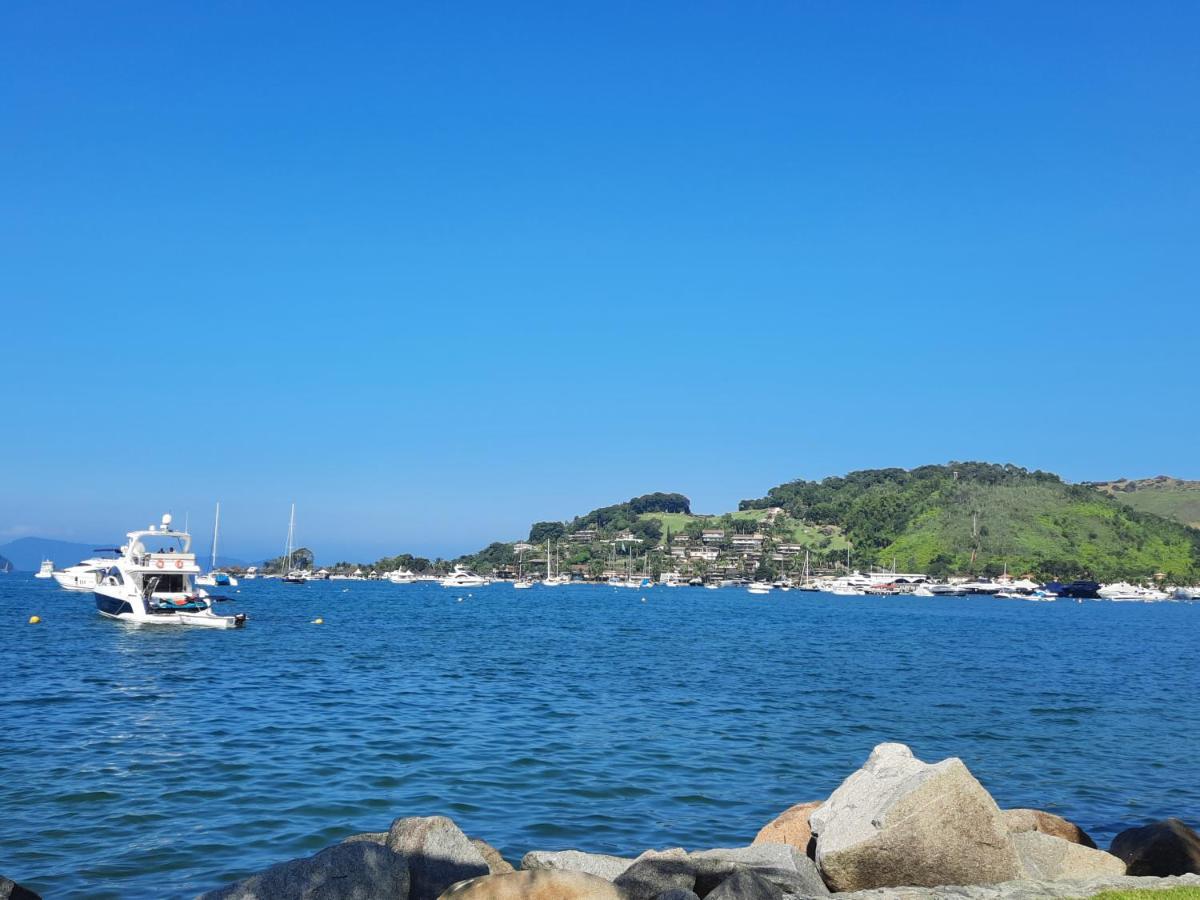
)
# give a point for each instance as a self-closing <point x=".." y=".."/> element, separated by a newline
<point x="251" y="573"/>
<point x="1123" y="590"/>
<point x="83" y="576"/>
<point x="522" y="584"/>
<point x="759" y="587"/>
<point x="47" y="569"/>
<point x="151" y="583"/>
<point x="460" y="577"/>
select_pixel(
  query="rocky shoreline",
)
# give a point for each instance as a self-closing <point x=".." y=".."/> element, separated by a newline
<point x="897" y="828"/>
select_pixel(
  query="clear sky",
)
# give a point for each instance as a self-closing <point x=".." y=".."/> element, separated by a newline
<point x="434" y="271"/>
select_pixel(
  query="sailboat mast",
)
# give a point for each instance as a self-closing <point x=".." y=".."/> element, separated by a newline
<point x="216" y="531"/>
<point x="291" y="535"/>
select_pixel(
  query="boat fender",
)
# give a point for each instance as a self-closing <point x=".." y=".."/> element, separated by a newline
<point x="179" y="563"/>
<point x="318" y="621"/>
<point x="33" y="620"/>
<point x="159" y="563"/>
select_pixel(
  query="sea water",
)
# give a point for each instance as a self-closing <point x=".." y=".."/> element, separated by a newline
<point x="161" y="762"/>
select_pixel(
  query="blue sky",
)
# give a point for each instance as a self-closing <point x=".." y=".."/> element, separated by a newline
<point x="435" y="271"/>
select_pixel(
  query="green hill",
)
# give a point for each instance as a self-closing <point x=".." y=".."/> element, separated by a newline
<point x="980" y="518"/>
<point x="1171" y="498"/>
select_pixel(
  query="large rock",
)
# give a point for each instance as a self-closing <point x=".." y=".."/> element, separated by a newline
<point x="598" y="864"/>
<point x="1021" y="820"/>
<point x="784" y="866"/>
<point x="746" y="885"/>
<point x="496" y="863"/>
<point x="9" y="889"/>
<point x="437" y="852"/>
<point x="656" y="873"/>
<point x="359" y="870"/>
<point x="1045" y="857"/>
<point x="1162" y="848"/>
<point x="1026" y="890"/>
<point x="678" y="894"/>
<point x="791" y="827"/>
<point x="534" y="884"/>
<point x="900" y="821"/>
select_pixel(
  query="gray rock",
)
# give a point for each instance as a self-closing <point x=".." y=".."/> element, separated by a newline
<point x="1168" y="847"/>
<point x="650" y="876"/>
<point x="746" y="885"/>
<point x="1069" y="889"/>
<point x="900" y="821"/>
<point x="437" y="852"/>
<point x="496" y="862"/>
<point x="677" y="894"/>
<point x="598" y="864"/>
<point x="360" y="870"/>
<point x="9" y="889"/>
<point x="785" y="866"/>
<point x="1046" y="858"/>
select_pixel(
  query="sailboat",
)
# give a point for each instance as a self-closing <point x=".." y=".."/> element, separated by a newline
<point x="292" y="576"/>
<point x="551" y="579"/>
<point x="216" y="578"/>
<point x="807" y="583"/>
<point x="522" y="581"/>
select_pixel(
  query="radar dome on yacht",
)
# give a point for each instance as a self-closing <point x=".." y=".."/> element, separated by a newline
<point x="166" y="521"/>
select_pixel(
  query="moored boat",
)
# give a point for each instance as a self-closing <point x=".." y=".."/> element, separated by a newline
<point x="154" y="586"/>
<point x="461" y="577"/>
<point x="47" y="569"/>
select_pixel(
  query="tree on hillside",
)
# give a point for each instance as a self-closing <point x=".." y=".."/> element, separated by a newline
<point x="540" y="532"/>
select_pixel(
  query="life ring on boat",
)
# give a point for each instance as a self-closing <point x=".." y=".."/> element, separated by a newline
<point x="179" y="563"/>
<point x="159" y="563"/>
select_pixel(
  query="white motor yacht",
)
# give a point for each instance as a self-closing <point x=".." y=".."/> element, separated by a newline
<point x="460" y="577"/>
<point x="151" y="583"/>
<point x="83" y="576"/>
<point x="759" y="587"/>
<point x="47" y="569"/>
<point x="401" y="576"/>
<point x="1123" y="590"/>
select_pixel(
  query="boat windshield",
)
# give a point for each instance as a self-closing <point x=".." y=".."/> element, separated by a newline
<point x="166" y="584"/>
<point x="159" y="543"/>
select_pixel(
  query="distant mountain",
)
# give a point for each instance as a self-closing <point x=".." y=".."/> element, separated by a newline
<point x="27" y="553"/>
<point x="972" y="517"/>
<point x="1171" y="498"/>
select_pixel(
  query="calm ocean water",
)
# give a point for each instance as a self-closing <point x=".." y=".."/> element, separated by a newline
<point x="160" y="763"/>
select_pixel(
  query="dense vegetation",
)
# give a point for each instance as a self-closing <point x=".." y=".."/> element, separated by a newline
<point x="965" y="518"/>
<point x="981" y="518"/>
<point x="1171" y="498"/>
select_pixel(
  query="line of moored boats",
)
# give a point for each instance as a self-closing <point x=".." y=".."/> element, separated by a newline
<point x="154" y="579"/>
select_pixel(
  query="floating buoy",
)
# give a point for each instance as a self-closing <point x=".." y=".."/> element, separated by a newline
<point x="318" y="621"/>
<point x="33" y="620"/>
<point x="643" y="599"/>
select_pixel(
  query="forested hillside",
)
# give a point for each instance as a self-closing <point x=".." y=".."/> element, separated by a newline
<point x="980" y="518"/>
